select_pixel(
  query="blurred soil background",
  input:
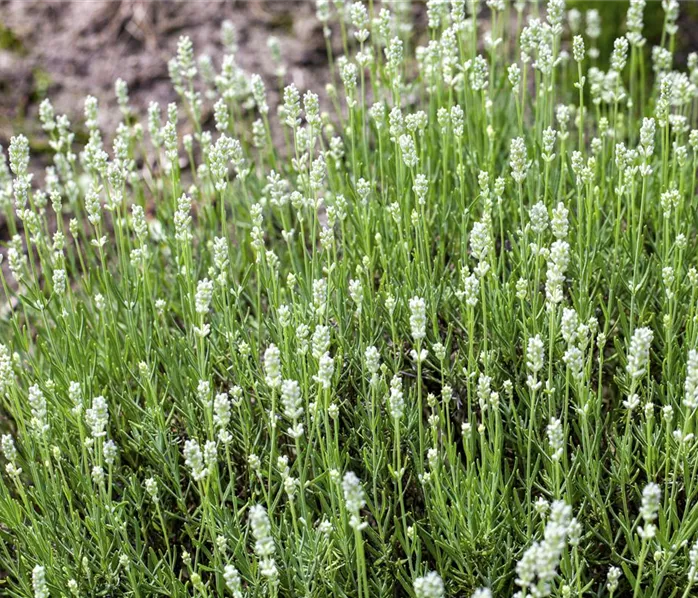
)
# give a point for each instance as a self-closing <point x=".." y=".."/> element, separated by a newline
<point x="67" y="49"/>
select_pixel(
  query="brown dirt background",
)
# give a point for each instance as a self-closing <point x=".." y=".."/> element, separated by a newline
<point x="66" y="50"/>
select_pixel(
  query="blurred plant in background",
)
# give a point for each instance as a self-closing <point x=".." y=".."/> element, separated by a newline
<point x="612" y="15"/>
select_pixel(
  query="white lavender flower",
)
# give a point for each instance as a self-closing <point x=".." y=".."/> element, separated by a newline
<point x="539" y="218"/>
<point x="37" y="402"/>
<point x="394" y="56"/>
<point x="556" y="439"/>
<point x="578" y="51"/>
<point x="39" y="584"/>
<point x="669" y="200"/>
<point x="272" y="366"/>
<point x="429" y="586"/>
<point x="569" y="324"/>
<point x="259" y="93"/>
<point x="372" y="360"/>
<point x="138" y="221"/>
<point x="518" y="160"/>
<point x="91" y="108"/>
<point x="479" y="73"/>
<point x="558" y="261"/>
<point x="10" y="452"/>
<point x="121" y="91"/>
<point x="320" y="341"/>
<point x="481" y="246"/>
<point x="194" y="459"/>
<point x="97" y="417"/>
<point x="549" y="138"/>
<point x="232" y="580"/>
<point x="8" y="448"/>
<point x="396" y="400"/>
<point x="6" y="374"/>
<point x="408" y="150"/>
<point x="47" y="115"/>
<point x="182" y="219"/>
<point x="311" y="107"/>
<point x="693" y="561"/>
<point x="514" y="76"/>
<point x="264" y="542"/>
<point x="537" y="568"/>
<point x="484" y="391"/>
<point x="420" y="188"/>
<point x="221" y="416"/>
<point x="320" y="295"/>
<point x="613" y="576"/>
<point x="690" y="399"/>
<point x="619" y="56"/>
<point x="418" y="318"/>
<point x="204" y="293"/>
<point x="671" y="11"/>
<point x="651" y="503"/>
<point x="151" y="487"/>
<point x="325" y="371"/>
<point x="93" y="205"/>
<point x="291" y="399"/>
<point x="635" y="23"/>
<point x="535" y="358"/>
<point x="59" y="281"/>
<point x="471" y="288"/>
<point x="359" y="19"/>
<point x="302" y="334"/>
<point x="97" y="474"/>
<point x="593" y="19"/>
<point x="639" y="352"/>
<point x="574" y="358"/>
<point x="555" y="15"/>
<point x="210" y="455"/>
<point x="110" y="452"/>
<point x="559" y="223"/>
<point x="356" y="292"/>
<point x="354" y="499"/>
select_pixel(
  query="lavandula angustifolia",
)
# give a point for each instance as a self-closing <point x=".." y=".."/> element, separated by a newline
<point x="39" y="584"/>
<point x="9" y="451"/>
<point x="130" y="285"/>
<point x="651" y="503"/>
<point x="537" y="568"/>
<point x="429" y="586"/>
<point x="418" y="329"/>
<point x="292" y="402"/>
<point x="272" y="371"/>
<point x="690" y="399"/>
<point x="354" y="501"/>
<point x="264" y="546"/>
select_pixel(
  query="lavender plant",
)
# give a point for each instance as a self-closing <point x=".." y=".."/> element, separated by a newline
<point x="431" y="331"/>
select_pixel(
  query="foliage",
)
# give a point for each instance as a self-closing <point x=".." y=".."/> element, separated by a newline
<point x="442" y="339"/>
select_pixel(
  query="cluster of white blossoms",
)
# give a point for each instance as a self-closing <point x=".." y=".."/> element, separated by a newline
<point x="201" y="463"/>
<point x="264" y="543"/>
<point x="418" y="322"/>
<point x="429" y="586"/>
<point x="535" y="358"/>
<point x="293" y="406"/>
<point x="651" y="503"/>
<point x="639" y="352"/>
<point x="537" y="568"/>
<point x="354" y="499"/>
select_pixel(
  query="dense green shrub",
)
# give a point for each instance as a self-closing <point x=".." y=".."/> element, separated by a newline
<point x="443" y="338"/>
